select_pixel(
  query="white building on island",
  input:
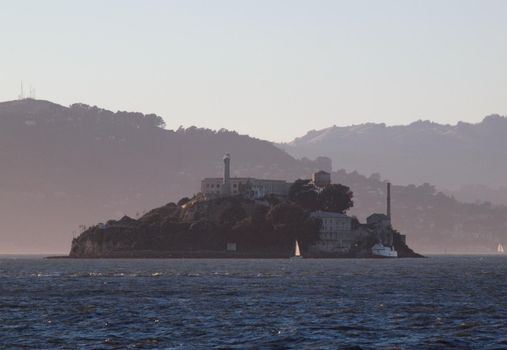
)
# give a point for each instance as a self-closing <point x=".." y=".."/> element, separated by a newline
<point x="252" y="187"/>
<point x="337" y="234"/>
<point x="255" y="188"/>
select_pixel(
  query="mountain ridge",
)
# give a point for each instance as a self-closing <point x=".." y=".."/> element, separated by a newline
<point x="448" y="156"/>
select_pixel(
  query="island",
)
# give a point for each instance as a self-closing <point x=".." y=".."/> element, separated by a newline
<point x="233" y="217"/>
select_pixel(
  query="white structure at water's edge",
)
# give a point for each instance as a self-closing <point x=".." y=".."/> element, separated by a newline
<point x="382" y="251"/>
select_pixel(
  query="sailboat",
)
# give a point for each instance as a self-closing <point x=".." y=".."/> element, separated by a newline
<point x="499" y="249"/>
<point x="297" y="252"/>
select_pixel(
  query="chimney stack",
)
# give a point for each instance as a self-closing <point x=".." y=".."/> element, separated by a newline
<point x="226" y="188"/>
<point x="389" y="200"/>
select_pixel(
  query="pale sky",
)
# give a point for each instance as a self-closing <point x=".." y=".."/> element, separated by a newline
<point x="273" y="69"/>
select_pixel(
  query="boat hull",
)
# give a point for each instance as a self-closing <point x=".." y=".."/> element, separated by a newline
<point x="381" y="251"/>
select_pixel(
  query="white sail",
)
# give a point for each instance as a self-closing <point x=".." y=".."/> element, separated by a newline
<point x="499" y="249"/>
<point x="297" y="252"/>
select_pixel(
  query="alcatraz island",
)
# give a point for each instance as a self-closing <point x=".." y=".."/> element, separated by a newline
<point x="236" y="217"/>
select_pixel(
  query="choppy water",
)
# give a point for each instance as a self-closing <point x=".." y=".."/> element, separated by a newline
<point x="435" y="303"/>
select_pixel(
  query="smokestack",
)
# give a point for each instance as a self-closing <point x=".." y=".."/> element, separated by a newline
<point x="226" y="188"/>
<point x="389" y="200"/>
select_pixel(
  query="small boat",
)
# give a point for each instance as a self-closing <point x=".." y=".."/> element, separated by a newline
<point x="297" y="252"/>
<point x="380" y="250"/>
<point x="499" y="249"/>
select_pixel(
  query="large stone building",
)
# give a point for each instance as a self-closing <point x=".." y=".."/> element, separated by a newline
<point x="249" y="186"/>
<point x="252" y="187"/>
<point x="336" y="232"/>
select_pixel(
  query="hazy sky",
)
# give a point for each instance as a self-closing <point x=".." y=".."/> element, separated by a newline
<point x="272" y="69"/>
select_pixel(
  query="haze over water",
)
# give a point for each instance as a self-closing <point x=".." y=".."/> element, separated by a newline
<point x="447" y="302"/>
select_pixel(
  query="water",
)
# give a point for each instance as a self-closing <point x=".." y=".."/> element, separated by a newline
<point x="435" y="303"/>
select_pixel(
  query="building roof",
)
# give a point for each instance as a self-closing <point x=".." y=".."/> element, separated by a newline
<point x="269" y="180"/>
<point x="243" y="179"/>
<point x="377" y="216"/>
<point x="232" y="178"/>
<point x="329" y="214"/>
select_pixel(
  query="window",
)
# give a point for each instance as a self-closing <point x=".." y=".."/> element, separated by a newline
<point x="235" y="185"/>
<point x="212" y="185"/>
<point x="207" y="185"/>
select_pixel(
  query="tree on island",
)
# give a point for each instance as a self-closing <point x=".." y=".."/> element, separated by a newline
<point x="305" y="194"/>
<point x="291" y="223"/>
<point x="183" y="201"/>
<point x="336" y="198"/>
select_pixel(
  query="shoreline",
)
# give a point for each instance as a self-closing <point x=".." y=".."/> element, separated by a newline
<point x="222" y="255"/>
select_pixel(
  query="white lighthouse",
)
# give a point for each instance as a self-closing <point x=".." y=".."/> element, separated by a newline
<point x="226" y="188"/>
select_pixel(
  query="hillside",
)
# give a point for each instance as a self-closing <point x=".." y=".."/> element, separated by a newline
<point x="448" y="156"/>
<point x="64" y="167"/>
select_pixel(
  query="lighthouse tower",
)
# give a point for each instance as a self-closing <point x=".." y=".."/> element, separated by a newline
<point x="226" y="188"/>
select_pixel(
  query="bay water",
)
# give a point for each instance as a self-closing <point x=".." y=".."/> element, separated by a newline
<point x="439" y="302"/>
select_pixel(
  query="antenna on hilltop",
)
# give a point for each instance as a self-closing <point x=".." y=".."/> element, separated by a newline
<point x="31" y="93"/>
<point x="21" y="95"/>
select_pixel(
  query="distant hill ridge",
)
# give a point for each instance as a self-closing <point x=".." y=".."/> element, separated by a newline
<point x="448" y="156"/>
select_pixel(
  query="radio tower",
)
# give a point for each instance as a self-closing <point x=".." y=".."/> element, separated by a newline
<point x="21" y="95"/>
<point x="31" y="94"/>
